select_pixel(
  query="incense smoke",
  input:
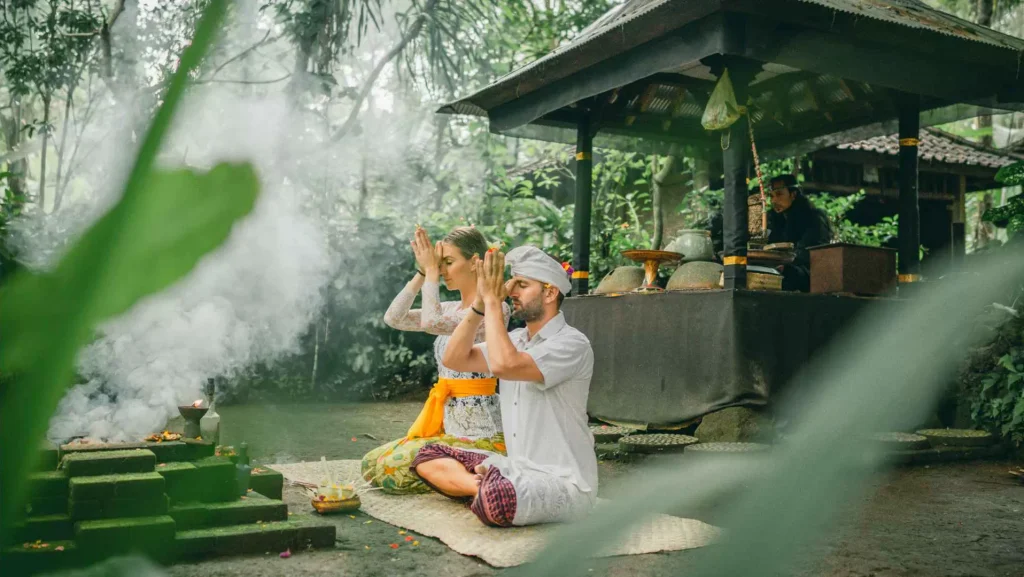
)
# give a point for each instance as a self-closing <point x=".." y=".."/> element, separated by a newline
<point x="254" y="298"/>
<point x="250" y="300"/>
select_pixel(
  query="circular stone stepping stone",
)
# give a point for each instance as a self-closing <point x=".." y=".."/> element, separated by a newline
<point x="900" y="441"/>
<point x="656" y="443"/>
<point x="609" y="433"/>
<point x="957" y="437"/>
<point x="710" y="448"/>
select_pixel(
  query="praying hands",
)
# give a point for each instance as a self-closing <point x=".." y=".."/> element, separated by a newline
<point x="490" y="278"/>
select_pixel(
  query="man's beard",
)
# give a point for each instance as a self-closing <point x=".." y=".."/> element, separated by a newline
<point x="529" y="312"/>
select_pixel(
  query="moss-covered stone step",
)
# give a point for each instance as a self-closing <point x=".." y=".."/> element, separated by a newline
<point x="108" y="462"/>
<point x="216" y="478"/>
<point x="153" y="536"/>
<point x="32" y="558"/>
<point x="182" y="481"/>
<point x="48" y="485"/>
<point x="89" y="510"/>
<point x="124" y="486"/>
<point x="49" y="457"/>
<point x="47" y="506"/>
<point x="266" y="482"/>
<point x="71" y="448"/>
<point x="45" y="527"/>
<point x="250" y="510"/>
<point x="198" y="449"/>
<point x="298" y="533"/>
<point x="172" y="451"/>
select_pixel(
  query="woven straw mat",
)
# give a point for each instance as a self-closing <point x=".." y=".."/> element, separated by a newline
<point x="436" y="516"/>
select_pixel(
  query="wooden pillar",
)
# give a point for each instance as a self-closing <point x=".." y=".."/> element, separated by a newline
<point x="909" y="233"/>
<point x="959" y="226"/>
<point x="736" y="157"/>
<point x="582" y="208"/>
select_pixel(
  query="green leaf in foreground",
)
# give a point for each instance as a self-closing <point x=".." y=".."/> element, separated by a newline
<point x="163" y="224"/>
<point x="133" y="251"/>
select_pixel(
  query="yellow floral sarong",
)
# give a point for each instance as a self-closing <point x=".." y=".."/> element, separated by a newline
<point x="387" y="466"/>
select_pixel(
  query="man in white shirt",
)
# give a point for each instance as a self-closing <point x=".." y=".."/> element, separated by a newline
<point x="544" y="371"/>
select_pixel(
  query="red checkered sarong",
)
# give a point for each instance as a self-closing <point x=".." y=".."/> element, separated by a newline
<point x="495" y="503"/>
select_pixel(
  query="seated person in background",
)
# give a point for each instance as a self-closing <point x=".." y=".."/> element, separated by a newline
<point x="794" y="219"/>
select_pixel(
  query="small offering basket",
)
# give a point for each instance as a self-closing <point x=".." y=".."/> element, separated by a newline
<point x="336" y="499"/>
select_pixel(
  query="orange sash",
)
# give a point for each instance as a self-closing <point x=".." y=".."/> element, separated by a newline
<point x="430" y="422"/>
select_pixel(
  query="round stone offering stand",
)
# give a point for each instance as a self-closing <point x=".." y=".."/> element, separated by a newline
<point x="896" y="441"/>
<point x="957" y="437"/>
<point x="727" y="448"/>
<point x="658" y="443"/>
<point x="610" y="433"/>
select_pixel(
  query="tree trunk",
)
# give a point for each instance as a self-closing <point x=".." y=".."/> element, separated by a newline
<point x="440" y="125"/>
<point x="364" y="189"/>
<point x="42" y="159"/>
<point x="316" y="355"/>
<point x="58" y="192"/>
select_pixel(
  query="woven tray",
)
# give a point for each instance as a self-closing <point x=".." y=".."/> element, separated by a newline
<point x="709" y="448"/>
<point x="896" y="441"/>
<point x="609" y="433"/>
<point x="656" y="443"/>
<point x="957" y="437"/>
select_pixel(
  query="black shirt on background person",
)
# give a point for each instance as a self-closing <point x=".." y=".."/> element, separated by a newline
<point x="794" y="219"/>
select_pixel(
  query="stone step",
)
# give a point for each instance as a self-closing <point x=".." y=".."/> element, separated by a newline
<point x="70" y="448"/>
<point x="46" y="506"/>
<point x="90" y="510"/>
<point x="123" y="486"/>
<point x="199" y="449"/>
<point x="153" y="536"/>
<point x="48" y="485"/>
<point x="171" y="451"/>
<point x="182" y="480"/>
<point x="253" y="509"/>
<point x="44" y="527"/>
<point x="86" y="463"/>
<point x="48" y="494"/>
<point x="48" y="457"/>
<point x="165" y="451"/>
<point x="215" y="480"/>
<point x="267" y="482"/>
<point x="299" y="532"/>
<point x="33" y="558"/>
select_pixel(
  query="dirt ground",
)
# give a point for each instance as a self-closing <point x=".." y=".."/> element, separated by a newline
<point x="936" y="521"/>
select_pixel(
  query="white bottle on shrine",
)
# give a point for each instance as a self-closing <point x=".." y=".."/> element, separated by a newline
<point x="209" y="425"/>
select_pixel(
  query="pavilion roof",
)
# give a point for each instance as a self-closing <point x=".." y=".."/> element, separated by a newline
<point x="826" y="72"/>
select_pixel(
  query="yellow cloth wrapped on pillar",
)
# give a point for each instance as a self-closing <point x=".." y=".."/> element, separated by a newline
<point x="430" y="421"/>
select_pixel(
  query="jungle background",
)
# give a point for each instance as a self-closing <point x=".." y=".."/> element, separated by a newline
<point x="366" y="76"/>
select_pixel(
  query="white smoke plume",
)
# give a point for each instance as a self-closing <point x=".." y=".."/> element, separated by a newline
<point x="249" y="300"/>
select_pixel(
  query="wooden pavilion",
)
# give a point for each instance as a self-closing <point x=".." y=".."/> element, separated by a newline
<point x="815" y="73"/>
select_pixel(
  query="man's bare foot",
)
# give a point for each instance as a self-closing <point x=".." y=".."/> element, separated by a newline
<point x="480" y="470"/>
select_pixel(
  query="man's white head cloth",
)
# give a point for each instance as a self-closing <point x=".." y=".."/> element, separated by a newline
<point x="531" y="262"/>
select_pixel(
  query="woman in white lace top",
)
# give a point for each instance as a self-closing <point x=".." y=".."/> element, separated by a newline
<point x="462" y="410"/>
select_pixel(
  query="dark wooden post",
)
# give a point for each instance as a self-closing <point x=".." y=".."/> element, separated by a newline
<point x="581" y="210"/>
<point x="959" y="209"/>
<point x="909" y="233"/>
<point x="735" y="160"/>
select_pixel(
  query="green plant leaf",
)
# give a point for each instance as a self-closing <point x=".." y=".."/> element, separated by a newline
<point x="1011" y="175"/>
<point x="163" y="224"/>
